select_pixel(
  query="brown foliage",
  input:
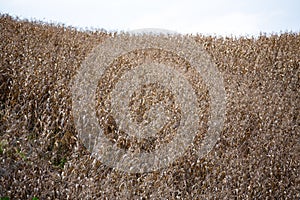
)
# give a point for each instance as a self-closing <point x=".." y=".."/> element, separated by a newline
<point x="257" y="155"/>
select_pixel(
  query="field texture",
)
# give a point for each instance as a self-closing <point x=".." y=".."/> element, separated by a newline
<point x="257" y="155"/>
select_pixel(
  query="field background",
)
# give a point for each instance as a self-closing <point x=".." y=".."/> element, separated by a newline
<point x="257" y="155"/>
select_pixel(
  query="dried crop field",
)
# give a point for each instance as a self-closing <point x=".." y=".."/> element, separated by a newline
<point x="256" y="157"/>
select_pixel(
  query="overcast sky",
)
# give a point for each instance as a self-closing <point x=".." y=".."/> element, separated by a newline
<point x="231" y="17"/>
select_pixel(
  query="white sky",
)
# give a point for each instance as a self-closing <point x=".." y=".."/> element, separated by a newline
<point x="231" y="17"/>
